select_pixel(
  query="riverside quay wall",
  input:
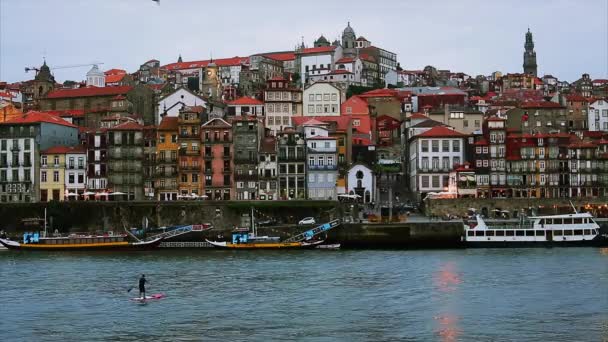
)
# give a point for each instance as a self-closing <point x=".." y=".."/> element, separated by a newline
<point x="513" y="207"/>
<point x="92" y="216"/>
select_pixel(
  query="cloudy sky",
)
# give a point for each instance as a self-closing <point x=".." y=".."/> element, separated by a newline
<point x="473" y="36"/>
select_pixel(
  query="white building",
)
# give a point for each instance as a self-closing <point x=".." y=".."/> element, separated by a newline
<point x="433" y="155"/>
<point x="281" y="103"/>
<point x="598" y="115"/>
<point x="172" y="103"/>
<point x="75" y="171"/>
<point x="96" y="77"/>
<point x="361" y="181"/>
<point x="246" y="106"/>
<point x="317" y="61"/>
<point x="322" y="98"/>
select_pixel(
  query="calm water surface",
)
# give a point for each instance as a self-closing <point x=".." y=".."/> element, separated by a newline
<point x="454" y="295"/>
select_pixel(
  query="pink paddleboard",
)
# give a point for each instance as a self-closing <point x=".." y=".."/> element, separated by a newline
<point x="156" y="296"/>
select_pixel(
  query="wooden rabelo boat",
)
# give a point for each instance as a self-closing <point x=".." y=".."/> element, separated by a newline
<point x="32" y="241"/>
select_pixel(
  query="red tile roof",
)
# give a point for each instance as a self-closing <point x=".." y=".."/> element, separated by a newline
<point x="114" y="78"/>
<point x="127" y="126"/>
<point x="345" y="60"/>
<point x="245" y="101"/>
<point x="6" y="95"/>
<point x="576" y="98"/>
<point x="282" y="56"/>
<point x="88" y="91"/>
<point x="481" y="142"/>
<point x="320" y="49"/>
<point x="222" y="62"/>
<point x="168" y="123"/>
<point x="340" y="72"/>
<point x="357" y="104"/>
<point x="367" y="57"/>
<point x="440" y="131"/>
<point x="64" y="149"/>
<point x="115" y="72"/>
<point x="314" y="122"/>
<point x="37" y="117"/>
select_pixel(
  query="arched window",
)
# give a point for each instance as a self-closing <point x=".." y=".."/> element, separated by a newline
<point x="359" y="174"/>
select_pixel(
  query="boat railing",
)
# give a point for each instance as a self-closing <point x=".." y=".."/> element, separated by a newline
<point x="179" y="231"/>
<point x="307" y="235"/>
<point x="511" y="226"/>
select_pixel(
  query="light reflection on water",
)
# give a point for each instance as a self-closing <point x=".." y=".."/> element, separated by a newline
<point x="454" y="295"/>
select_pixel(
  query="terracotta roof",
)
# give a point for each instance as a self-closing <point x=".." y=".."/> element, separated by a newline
<point x="168" y="123"/>
<point x="245" y="101"/>
<point x="340" y="72"/>
<point x="540" y="104"/>
<point x="600" y="81"/>
<point x="345" y="60"/>
<point x="114" y="78"/>
<point x="193" y="109"/>
<point x="37" y="117"/>
<point x="115" y="72"/>
<point x="64" y="149"/>
<point x="88" y="91"/>
<point x="282" y="56"/>
<point x="367" y="57"/>
<point x="127" y="126"/>
<point x="440" y="131"/>
<point x="341" y="121"/>
<point x="222" y="62"/>
<point x="481" y="142"/>
<point x="362" y="39"/>
<point x="6" y="95"/>
<point x="428" y="123"/>
<point x="576" y="98"/>
<point x="320" y="49"/>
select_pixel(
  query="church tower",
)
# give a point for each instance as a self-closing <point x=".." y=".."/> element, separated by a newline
<point x="348" y="42"/>
<point x="530" y="67"/>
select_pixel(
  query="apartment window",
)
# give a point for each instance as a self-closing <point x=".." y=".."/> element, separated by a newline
<point x="174" y="138"/>
<point x="424" y="145"/>
<point x="55" y="176"/>
<point x="81" y="162"/>
<point x="26" y="144"/>
<point x="485" y="149"/>
<point x="71" y="178"/>
<point x="43" y="160"/>
<point x="477" y="124"/>
<point x="3" y="145"/>
<point x="435" y="181"/>
<point x="319" y="108"/>
<point x="435" y="145"/>
<point x="161" y="139"/>
<point x="194" y="178"/>
<point x="456" y="145"/>
<point x="56" y="160"/>
<point x="424" y="181"/>
<point x="15" y="175"/>
<point x="445" y="146"/>
<point x="71" y="162"/>
<point x="456" y="161"/>
<point x="478" y="150"/>
<point x="325" y="97"/>
<point x="334" y="97"/>
<point x="318" y="97"/>
<point x="425" y="162"/>
<point x="311" y="97"/>
<point x="478" y="163"/>
<point x="311" y="108"/>
<point x="465" y="123"/>
<point x="311" y="161"/>
<point x="42" y="176"/>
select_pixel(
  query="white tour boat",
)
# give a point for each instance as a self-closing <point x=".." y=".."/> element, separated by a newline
<point x="578" y="229"/>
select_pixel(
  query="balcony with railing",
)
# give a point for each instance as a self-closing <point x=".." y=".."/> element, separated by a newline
<point x="209" y="155"/>
<point x="246" y="177"/>
<point x="187" y="152"/>
<point x="245" y="160"/>
<point x="190" y="167"/>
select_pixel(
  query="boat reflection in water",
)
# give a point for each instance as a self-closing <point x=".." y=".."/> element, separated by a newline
<point x="447" y="281"/>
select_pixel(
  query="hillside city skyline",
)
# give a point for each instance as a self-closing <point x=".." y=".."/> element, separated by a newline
<point x="478" y="47"/>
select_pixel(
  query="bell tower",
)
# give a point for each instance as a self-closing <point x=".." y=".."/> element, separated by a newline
<point x="530" y="67"/>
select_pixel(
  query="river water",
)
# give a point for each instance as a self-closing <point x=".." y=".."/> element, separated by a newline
<point x="429" y="295"/>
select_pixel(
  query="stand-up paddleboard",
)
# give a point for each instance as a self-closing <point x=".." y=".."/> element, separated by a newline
<point x="156" y="296"/>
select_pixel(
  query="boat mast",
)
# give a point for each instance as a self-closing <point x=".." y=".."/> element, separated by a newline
<point x="253" y="223"/>
<point x="573" y="207"/>
<point x="44" y="222"/>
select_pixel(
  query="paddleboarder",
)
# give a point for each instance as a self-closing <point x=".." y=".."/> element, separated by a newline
<point x="142" y="286"/>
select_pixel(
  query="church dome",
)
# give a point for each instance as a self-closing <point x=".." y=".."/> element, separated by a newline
<point x="322" y="41"/>
<point x="348" y="30"/>
<point x="96" y="77"/>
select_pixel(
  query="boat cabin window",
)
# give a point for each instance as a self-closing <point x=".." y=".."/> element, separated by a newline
<point x="578" y="232"/>
<point x="479" y="233"/>
<point x="510" y="233"/>
<point x="490" y="233"/>
<point x="539" y="232"/>
<point x="567" y="232"/>
<point x="558" y="232"/>
<point x="549" y="221"/>
<point x="587" y="231"/>
<point x="567" y="221"/>
<point x="529" y="233"/>
<point x="578" y="221"/>
<point x="470" y="233"/>
<point x="519" y="233"/>
<point x="542" y="222"/>
<point x="500" y="233"/>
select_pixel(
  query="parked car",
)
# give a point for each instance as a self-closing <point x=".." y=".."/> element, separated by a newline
<point x="307" y="220"/>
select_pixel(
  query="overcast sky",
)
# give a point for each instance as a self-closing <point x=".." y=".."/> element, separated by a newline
<point x="475" y="37"/>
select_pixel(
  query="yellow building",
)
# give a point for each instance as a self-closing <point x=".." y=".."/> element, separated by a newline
<point x="167" y="146"/>
<point x="52" y="173"/>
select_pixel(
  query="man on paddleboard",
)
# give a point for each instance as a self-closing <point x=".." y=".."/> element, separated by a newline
<point x="142" y="286"/>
